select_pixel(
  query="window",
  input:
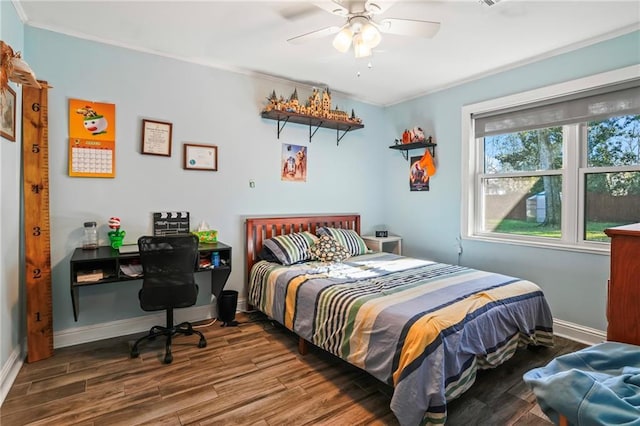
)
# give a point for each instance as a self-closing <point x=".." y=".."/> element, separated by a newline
<point x="555" y="166"/>
<point x="611" y="176"/>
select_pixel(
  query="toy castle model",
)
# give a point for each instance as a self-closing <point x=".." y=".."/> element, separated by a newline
<point x="318" y="105"/>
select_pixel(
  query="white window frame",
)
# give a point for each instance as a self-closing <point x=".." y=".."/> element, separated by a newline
<point x="472" y="165"/>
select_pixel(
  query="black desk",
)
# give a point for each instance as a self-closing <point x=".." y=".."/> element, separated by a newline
<point x="109" y="260"/>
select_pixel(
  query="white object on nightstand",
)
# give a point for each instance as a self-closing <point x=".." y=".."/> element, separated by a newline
<point x="390" y="244"/>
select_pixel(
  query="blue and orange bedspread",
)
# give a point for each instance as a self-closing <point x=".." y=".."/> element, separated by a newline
<point x="422" y="327"/>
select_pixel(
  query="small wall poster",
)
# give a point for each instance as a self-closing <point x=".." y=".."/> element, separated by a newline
<point x="418" y="177"/>
<point x="294" y="163"/>
<point x="92" y="120"/>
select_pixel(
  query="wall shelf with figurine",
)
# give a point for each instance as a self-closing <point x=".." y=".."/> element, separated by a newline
<point x="316" y="112"/>
<point x="406" y="147"/>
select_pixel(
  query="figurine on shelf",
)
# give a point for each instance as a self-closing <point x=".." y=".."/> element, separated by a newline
<point x="317" y="105"/>
<point x="417" y="134"/>
<point x="406" y="136"/>
<point x="116" y="235"/>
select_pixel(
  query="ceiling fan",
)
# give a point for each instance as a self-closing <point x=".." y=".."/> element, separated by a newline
<point x="361" y="30"/>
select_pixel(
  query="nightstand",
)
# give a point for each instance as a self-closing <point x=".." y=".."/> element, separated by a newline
<point x="390" y="244"/>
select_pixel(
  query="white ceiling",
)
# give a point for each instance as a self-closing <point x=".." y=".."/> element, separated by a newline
<point x="250" y="36"/>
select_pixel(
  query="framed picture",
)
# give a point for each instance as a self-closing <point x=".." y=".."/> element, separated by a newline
<point x="156" y="138"/>
<point x="200" y="157"/>
<point x="418" y="177"/>
<point x="8" y="114"/>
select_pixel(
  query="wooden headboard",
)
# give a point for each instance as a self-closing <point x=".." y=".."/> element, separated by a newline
<point x="259" y="229"/>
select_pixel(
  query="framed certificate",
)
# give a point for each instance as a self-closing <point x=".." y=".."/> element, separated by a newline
<point x="200" y="157"/>
<point x="156" y="138"/>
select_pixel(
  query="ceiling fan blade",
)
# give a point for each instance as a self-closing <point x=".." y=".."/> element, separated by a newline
<point x="409" y="27"/>
<point x="296" y="11"/>
<point x="303" y="38"/>
<point x="337" y="7"/>
<point x="376" y="7"/>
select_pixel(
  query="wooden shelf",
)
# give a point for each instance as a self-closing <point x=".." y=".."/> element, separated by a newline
<point x="292" y="117"/>
<point x="405" y="147"/>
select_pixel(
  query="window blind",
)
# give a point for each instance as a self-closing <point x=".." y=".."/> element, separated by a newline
<point x="592" y="105"/>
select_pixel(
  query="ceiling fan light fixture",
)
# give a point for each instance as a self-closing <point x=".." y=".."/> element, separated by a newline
<point x="363" y="32"/>
<point x="370" y="35"/>
<point x="342" y="40"/>
<point x="360" y="48"/>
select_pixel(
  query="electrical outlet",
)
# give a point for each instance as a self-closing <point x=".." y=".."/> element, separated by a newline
<point x="252" y="184"/>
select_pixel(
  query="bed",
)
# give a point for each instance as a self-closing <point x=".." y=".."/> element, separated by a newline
<point x="422" y="327"/>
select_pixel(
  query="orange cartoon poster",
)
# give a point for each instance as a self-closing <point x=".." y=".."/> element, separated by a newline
<point x="92" y="120"/>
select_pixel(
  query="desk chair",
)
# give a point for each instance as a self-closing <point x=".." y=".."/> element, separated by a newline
<point x="168" y="265"/>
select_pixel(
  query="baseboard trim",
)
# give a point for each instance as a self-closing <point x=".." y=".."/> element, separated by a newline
<point x="90" y="333"/>
<point x="107" y="330"/>
<point x="578" y="333"/>
<point x="9" y="372"/>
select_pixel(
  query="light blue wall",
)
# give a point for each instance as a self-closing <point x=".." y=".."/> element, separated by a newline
<point x="12" y="321"/>
<point x="205" y="106"/>
<point x="219" y="107"/>
<point x="575" y="283"/>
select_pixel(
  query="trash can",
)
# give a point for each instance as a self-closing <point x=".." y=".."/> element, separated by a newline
<point x="227" y="307"/>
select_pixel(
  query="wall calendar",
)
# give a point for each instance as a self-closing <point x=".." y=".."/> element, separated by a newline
<point x="89" y="158"/>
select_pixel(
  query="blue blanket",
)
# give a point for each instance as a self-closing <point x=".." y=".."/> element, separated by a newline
<point x="599" y="385"/>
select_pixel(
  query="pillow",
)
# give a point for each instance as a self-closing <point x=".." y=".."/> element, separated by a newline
<point x="327" y="249"/>
<point x="266" y="254"/>
<point x="348" y="238"/>
<point x="291" y="248"/>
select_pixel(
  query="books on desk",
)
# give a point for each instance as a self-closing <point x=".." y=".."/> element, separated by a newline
<point x="128" y="248"/>
<point x="83" y="277"/>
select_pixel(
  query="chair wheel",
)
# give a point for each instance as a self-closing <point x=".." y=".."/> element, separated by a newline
<point x="135" y="353"/>
<point x="202" y="343"/>
<point x="168" y="358"/>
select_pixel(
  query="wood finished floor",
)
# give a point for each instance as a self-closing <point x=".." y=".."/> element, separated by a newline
<point x="250" y="374"/>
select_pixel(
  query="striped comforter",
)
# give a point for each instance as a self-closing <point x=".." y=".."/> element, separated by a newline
<point x="420" y="326"/>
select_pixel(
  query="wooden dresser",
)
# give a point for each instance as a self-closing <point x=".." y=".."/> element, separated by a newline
<point x="623" y="295"/>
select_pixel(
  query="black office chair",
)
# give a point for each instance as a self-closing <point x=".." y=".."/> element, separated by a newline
<point x="168" y="265"/>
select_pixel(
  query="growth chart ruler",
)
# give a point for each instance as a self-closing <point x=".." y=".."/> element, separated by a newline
<point x="37" y="230"/>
